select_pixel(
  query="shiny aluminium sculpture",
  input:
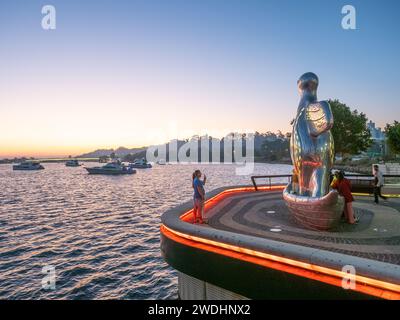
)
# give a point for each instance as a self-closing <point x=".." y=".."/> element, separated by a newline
<point x="310" y="200"/>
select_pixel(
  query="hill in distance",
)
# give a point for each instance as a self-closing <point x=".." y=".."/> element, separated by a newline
<point x="119" y="152"/>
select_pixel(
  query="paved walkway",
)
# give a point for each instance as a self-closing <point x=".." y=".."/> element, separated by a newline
<point x="264" y="214"/>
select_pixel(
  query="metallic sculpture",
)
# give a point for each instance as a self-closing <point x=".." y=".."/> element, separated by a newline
<point x="312" y="152"/>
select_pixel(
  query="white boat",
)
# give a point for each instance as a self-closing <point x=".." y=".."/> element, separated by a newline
<point x="111" y="168"/>
<point x="72" y="163"/>
<point x="28" y="166"/>
<point x="140" y="164"/>
<point x="161" y="162"/>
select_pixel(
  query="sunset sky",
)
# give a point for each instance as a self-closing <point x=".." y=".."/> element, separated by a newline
<point x="133" y="73"/>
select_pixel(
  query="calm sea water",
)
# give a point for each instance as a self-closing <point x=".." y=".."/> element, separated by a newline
<point x="101" y="233"/>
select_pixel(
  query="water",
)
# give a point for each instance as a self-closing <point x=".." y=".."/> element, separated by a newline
<point x="101" y="233"/>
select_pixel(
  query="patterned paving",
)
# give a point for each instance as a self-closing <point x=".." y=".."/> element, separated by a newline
<point x="376" y="236"/>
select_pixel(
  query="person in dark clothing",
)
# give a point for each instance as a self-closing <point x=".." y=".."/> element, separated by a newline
<point x="198" y="196"/>
<point x="378" y="184"/>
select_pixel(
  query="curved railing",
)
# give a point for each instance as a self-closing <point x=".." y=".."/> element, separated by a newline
<point x="269" y="179"/>
<point x="361" y="183"/>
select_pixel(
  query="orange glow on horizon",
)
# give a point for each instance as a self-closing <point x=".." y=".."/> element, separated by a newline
<point x="49" y="152"/>
<point x="54" y="152"/>
<point x="86" y="114"/>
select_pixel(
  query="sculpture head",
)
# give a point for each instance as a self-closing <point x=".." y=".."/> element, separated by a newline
<point x="308" y="84"/>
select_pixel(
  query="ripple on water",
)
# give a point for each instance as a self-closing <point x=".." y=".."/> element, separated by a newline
<point x="101" y="233"/>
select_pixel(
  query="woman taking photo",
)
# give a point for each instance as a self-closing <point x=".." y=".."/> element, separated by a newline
<point x="198" y="196"/>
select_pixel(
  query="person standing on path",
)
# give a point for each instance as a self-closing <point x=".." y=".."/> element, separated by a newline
<point x="198" y="196"/>
<point x="378" y="184"/>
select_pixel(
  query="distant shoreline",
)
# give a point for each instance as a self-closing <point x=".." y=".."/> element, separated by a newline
<point x="273" y="162"/>
<point x="11" y="161"/>
<point x="361" y="169"/>
<point x="46" y="160"/>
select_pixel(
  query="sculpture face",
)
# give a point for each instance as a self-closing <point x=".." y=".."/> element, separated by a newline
<point x="312" y="153"/>
<point x="308" y="83"/>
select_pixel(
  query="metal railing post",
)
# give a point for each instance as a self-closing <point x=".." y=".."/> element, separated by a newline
<point x="268" y="178"/>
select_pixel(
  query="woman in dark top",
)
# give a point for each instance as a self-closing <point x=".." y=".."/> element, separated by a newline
<point x="343" y="186"/>
<point x="198" y="196"/>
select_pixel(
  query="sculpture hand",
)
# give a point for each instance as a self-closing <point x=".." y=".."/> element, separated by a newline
<point x="319" y="117"/>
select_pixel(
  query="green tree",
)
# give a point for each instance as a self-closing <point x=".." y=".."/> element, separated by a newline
<point x="392" y="132"/>
<point x="350" y="131"/>
<point x="275" y="149"/>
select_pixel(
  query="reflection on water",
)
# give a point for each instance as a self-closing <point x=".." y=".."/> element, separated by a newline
<point x="100" y="232"/>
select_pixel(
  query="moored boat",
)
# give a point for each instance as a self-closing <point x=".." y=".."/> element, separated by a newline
<point x="72" y="163"/>
<point x="140" y="164"/>
<point x="111" y="168"/>
<point x="161" y="162"/>
<point x="28" y="166"/>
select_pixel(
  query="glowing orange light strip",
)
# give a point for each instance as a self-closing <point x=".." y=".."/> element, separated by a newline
<point x="365" y="285"/>
<point x="371" y="194"/>
<point x="187" y="216"/>
<point x="361" y="280"/>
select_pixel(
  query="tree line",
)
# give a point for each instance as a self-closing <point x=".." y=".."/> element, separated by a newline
<point x="350" y="133"/>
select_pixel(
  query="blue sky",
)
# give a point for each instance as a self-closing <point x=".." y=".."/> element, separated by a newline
<point x="139" y="72"/>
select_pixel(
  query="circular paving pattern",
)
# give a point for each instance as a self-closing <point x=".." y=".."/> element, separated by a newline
<point x="264" y="214"/>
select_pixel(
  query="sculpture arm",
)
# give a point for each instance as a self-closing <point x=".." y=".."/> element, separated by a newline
<point x="319" y="117"/>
